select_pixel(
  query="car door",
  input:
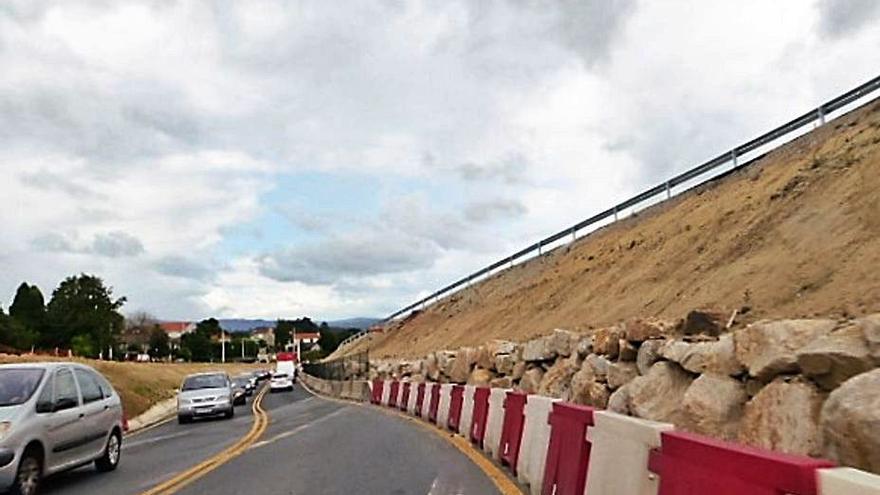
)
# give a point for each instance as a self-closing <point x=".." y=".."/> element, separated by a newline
<point x="64" y="423"/>
<point x="95" y="412"/>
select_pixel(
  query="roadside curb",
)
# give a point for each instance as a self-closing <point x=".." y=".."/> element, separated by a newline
<point x="159" y="414"/>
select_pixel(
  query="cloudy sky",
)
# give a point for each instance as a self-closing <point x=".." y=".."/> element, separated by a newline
<point x="266" y="159"/>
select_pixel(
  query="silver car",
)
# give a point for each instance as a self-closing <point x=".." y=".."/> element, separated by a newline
<point x="203" y="395"/>
<point x="55" y="417"/>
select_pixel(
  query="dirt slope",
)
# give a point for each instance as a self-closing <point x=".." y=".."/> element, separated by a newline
<point x="797" y="234"/>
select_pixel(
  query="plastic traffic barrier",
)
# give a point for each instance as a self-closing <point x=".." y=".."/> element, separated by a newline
<point x="403" y="399"/>
<point x="848" y="481"/>
<point x="434" y="404"/>
<point x="456" y="401"/>
<point x="376" y="392"/>
<point x="689" y="463"/>
<point x="420" y="400"/>
<point x="386" y="393"/>
<point x="495" y="422"/>
<point x="511" y="432"/>
<point x="392" y="395"/>
<point x="429" y="395"/>
<point x="535" y="439"/>
<point x="411" y="403"/>
<point x="568" y="453"/>
<point x="480" y="415"/>
<point x="443" y="409"/>
<point x="619" y="451"/>
<point x="467" y="411"/>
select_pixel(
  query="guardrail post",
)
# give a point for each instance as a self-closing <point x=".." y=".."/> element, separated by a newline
<point x="668" y="190"/>
<point x="615" y="213"/>
<point x="539" y="248"/>
<point x="821" y="115"/>
<point x="574" y="235"/>
<point x="733" y="157"/>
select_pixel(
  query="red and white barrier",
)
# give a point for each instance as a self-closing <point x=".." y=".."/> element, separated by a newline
<point x="848" y="481"/>
<point x="467" y="411"/>
<point x="376" y="388"/>
<point x="413" y="395"/>
<point x="619" y="454"/>
<point x="535" y="438"/>
<point x="511" y="432"/>
<point x="443" y="410"/>
<point x="568" y="453"/>
<point x="386" y="392"/>
<point x="495" y="422"/>
<point x="393" y="394"/>
<point x="426" y="402"/>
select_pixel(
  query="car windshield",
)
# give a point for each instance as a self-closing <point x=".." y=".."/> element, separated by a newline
<point x="204" y="381"/>
<point x="240" y="382"/>
<point x="18" y="385"/>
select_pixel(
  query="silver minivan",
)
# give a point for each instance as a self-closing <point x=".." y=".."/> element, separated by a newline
<point x="55" y="417"/>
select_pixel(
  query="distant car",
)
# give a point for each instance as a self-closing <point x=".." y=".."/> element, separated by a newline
<point x="281" y="381"/>
<point x="205" y="395"/>
<point x="55" y="417"/>
<point x="239" y="391"/>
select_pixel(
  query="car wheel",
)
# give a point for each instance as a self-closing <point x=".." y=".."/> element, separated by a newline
<point x="183" y="419"/>
<point x="230" y="413"/>
<point x="112" y="453"/>
<point x="28" y="476"/>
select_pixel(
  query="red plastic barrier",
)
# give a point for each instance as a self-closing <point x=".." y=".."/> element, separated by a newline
<point x="568" y="453"/>
<point x="403" y="403"/>
<point x="456" y="400"/>
<point x="690" y="464"/>
<point x="511" y="432"/>
<point x="434" y="405"/>
<point x="420" y="399"/>
<point x="392" y="397"/>
<point x="481" y="414"/>
<point x="376" y="397"/>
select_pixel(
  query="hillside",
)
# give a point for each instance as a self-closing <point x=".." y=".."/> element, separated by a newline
<point x="795" y="235"/>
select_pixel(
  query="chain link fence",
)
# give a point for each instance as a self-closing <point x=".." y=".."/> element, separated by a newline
<point x="353" y="367"/>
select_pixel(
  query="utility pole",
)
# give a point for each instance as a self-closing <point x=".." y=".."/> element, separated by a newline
<point x="222" y="346"/>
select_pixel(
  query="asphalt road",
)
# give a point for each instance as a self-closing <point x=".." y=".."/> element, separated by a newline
<point x="312" y="446"/>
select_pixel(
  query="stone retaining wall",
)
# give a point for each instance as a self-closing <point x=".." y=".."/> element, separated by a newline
<point x="358" y="390"/>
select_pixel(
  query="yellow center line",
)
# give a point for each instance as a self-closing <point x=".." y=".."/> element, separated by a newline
<point x="175" y="484"/>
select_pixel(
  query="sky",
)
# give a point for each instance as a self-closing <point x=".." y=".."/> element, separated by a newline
<point x="278" y="159"/>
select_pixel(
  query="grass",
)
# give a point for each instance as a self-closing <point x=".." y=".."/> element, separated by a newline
<point x="141" y="385"/>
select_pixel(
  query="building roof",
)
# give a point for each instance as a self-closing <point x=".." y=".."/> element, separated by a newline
<point x="175" y="326"/>
<point x="307" y="335"/>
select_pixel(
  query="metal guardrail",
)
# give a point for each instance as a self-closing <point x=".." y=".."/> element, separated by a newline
<point x="358" y="336"/>
<point x="818" y="114"/>
<point x="356" y="366"/>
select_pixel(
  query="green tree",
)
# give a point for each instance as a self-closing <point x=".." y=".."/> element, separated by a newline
<point x="28" y="307"/>
<point x="14" y="334"/>
<point x="83" y="307"/>
<point x="160" y="344"/>
<point x="82" y="345"/>
<point x="198" y="344"/>
<point x="283" y="333"/>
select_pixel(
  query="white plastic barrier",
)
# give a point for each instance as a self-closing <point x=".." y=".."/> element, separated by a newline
<point x="495" y="422"/>
<point x="467" y="411"/>
<point x="445" y="400"/>
<point x="619" y="454"/>
<point x="386" y="392"/>
<point x="535" y="439"/>
<point x="413" y="395"/>
<point x="426" y="403"/>
<point x="848" y="481"/>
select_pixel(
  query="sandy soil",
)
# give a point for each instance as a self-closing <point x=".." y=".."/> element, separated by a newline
<point x="797" y="234"/>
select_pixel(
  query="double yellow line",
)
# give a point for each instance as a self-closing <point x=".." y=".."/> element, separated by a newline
<point x="261" y="421"/>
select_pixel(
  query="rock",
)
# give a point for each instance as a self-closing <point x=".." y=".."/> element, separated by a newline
<point x="598" y="365"/>
<point x="445" y="360"/>
<point x="658" y="394"/>
<point x="832" y="359"/>
<point x="531" y="380"/>
<point x="713" y="405"/>
<point x="618" y="402"/>
<point x="501" y="382"/>
<point x="606" y="341"/>
<point x="519" y="369"/>
<point x="642" y="329"/>
<point x="504" y="364"/>
<point x="497" y="347"/>
<point x="483" y="359"/>
<point x="753" y="387"/>
<point x="584" y="346"/>
<point x="540" y="349"/>
<point x="717" y="357"/>
<point x="619" y="374"/>
<point x="480" y="377"/>
<point x="769" y="348"/>
<point x="557" y="381"/>
<point x="460" y="369"/>
<point x="784" y="416"/>
<point x="586" y="390"/>
<point x="649" y="353"/>
<point x="432" y="367"/>
<point x="705" y="321"/>
<point x="871" y="327"/>
<point x="627" y="351"/>
<point x="562" y="342"/>
<point x="850" y="423"/>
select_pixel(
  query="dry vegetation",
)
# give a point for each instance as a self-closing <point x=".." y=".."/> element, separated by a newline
<point x="795" y="235"/>
<point x="141" y="384"/>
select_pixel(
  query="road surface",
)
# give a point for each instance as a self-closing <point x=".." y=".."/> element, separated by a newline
<point x="312" y="446"/>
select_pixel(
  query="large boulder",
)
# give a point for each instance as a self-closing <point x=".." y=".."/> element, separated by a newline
<point x="530" y="383"/>
<point x="483" y="359"/>
<point x="621" y="373"/>
<point x="618" y="402"/>
<point x="850" y="422"/>
<point x="564" y="342"/>
<point x="459" y="369"/>
<point x="496" y="347"/>
<point x="432" y="367"/>
<point x="480" y="377"/>
<point x="713" y="405"/>
<point x="871" y="327"/>
<point x="606" y="341"/>
<point x="540" y="349"/>
<point x="586" y="390"/>
<point x="504" y="364"/>
<point x="584" y="346"/>
<point x="557" y="381"/>
<point x="716" y="357"/>
<point x="519" y="369"/>
<point x="501" y="382"/>
<point x="642" y="329"/>
<point x="649" y="353"/>
<point x="598" y="365"/>
<point x="784" y="416"/>
<point x="705" y="321"/>
<point x="769" y="348"/>
<point x="658" y="395"/>
<point x="832" y="359"/>
<point x="627" y="351"/>
<point x="445" y="360"/>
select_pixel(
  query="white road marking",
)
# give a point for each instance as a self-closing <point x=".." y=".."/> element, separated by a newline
<point x="146" y="441"/>
<point x="297" y="429"/>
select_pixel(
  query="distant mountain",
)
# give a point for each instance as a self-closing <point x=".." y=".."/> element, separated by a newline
<point x="244" y="325"/>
